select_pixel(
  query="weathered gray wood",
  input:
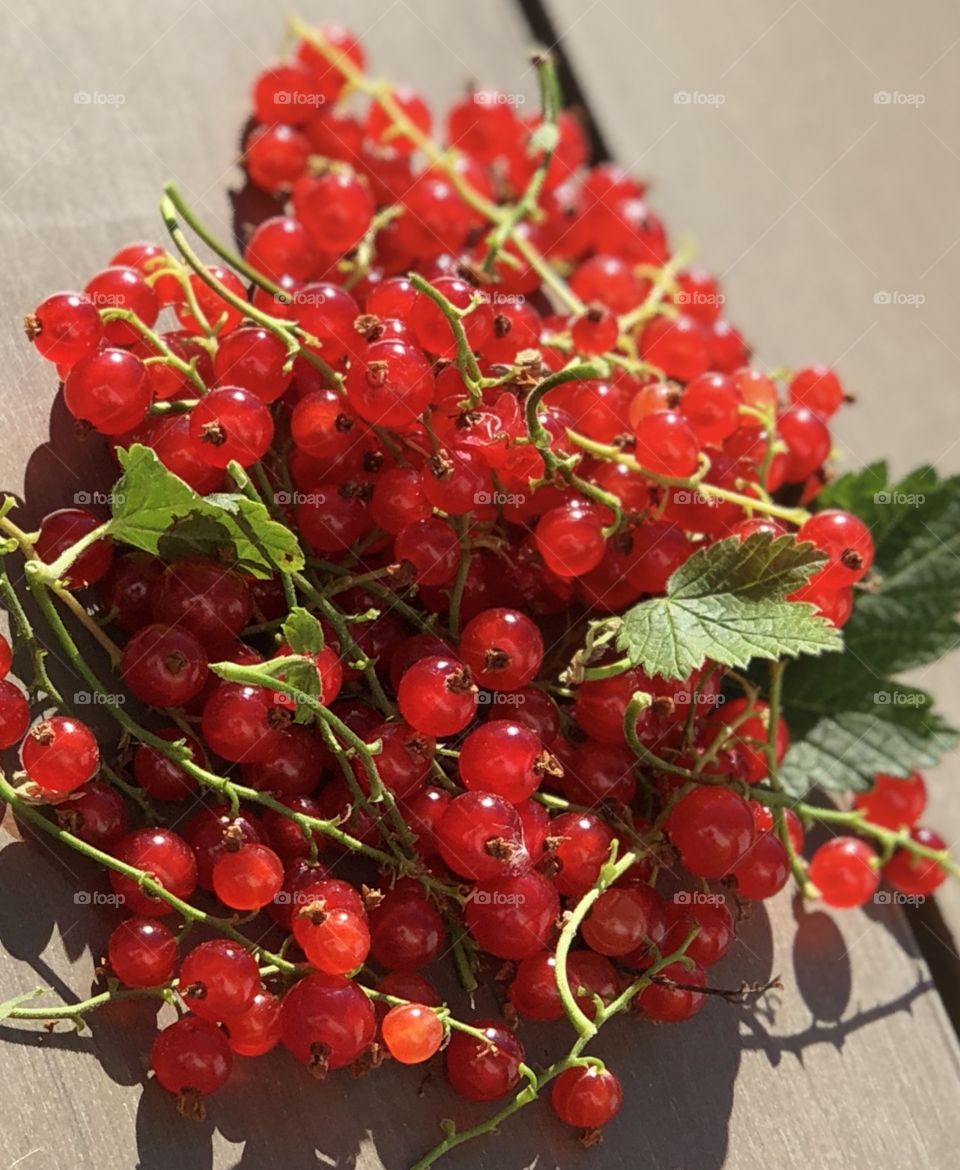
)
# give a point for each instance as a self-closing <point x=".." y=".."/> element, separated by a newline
<point x="857" y="1068"/>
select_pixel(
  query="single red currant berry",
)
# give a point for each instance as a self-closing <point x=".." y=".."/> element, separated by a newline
<point x="513" y="917"/>
<point x="256" y="1030"/>
<point x="60" y="754"/>
<point x="412" y="1032"/>
<point x="667" y="444"/>
<point x="680" y="348"/>
<point x="326" y="1022"/>
<point x="229" y="425"/>
<point x="6" y="657"/>
<point x="506" y="759"/>
<point x="763" y="872"/>
<point x="669" y="1003"/>
<point x="65" y="327"/>
<point x="243" y="723"/>
<point x="335" y="940"/>
<point x="431" y="546"/>
<point x="595" y="331"/>
<point x="582" y="845"/>
<point x="166" y="857"/>
<point x="142" y="952"/>
<point x="60" y="530"/>
<point x="618" y="922"/>
<point x="845" y="539"/>
<point x="192" y="1059"/>
<point x="164" y="666"/>
<point x="336" y="208"/>
<point x="844" y="871"/>
<point x="437" y="696"/>
<point x="484" y="1070"/>
<point x="247" y="878"/>
<point x="586" y="1096"/>
<point x="913" y="875"/>
<point x="503" y="648"/>
<point x="893" y="802"/>
<point x="96" y="813"/>
<point x="481" y="837"/>
<point x="712" y="829"/>
<point x="254" y="359"/>
<point x="335" y="515"/>
<point x="570" y="539"/>
<point x="818" y="388"/>
<point x="275" y="157"/>
<point x="808" y="442"/>
<point x="218" y="979"/>
<point x="285" y="93"/>
<point x="210" y="600"/>
<point x="14" y="714"/>
<point x="406" y="931"/>
<point x="161" y="777"/>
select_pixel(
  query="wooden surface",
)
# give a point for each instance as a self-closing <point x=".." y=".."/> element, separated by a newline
<point x="810" y="199"/>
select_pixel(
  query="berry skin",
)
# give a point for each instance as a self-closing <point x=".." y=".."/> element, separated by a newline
<point x="818" y="388"/>
<point x="437" y="696"/>
<point x="570" y="539"/>
<point x="807" y="439"/>
<point x="164" y="666"/>
<point x="764" y="870"/>
<point x="534" y="994"/>
<point x="503" y="648"/>
<point x="481" y="837"/>
<point x="335" y="516"/>
<point x="159" y="776"/>
<point x="166" y="857"/>
<point x="14" y="714"/>
<point x="256" y="1030"/>
<point x="406" y="931"/>
<point x="285" y="93"/>
<point x="327" y="76"/>
<point x="65" y="327"/>
<point x="504" y="758"/>
<point x="893" y="802"/>
<point x="680" y="348"/>
<point x="671" y="1005"/>
<point x="275" y="157"/>
<point x="334" y="940"/>
<point x="667" y="444"/>
<point x="231" y="424"/>
<point x="247" y="878"/>
<point x="379" y="126"/>
<point x="253" y="359"/>
<point x="60" y="754"/>
<point x="142" y="952"/>
<point x="412" y="1032"/>
<point x="513" y="917"/>
<point x="583" y="847"/>
<point x="125" y="591"/>
<point x="335" y="208"/>
<point x="484" y="1071"/>
<point x="63" y="528"/>
<point x="844" y="872"/>
<point x="586" y="1097"/>
<point x="109" y="390"/>
<point x="210" y="601"/>
<point x="6" y="657"/>
<point x="916" y="876"/>
<point x="711" y="405"/>
<point x="218" y="979"/>
<point x="242" y="723"/>
<point x="431" y="329"/>
<point x="845" y="540"/>
<point x="191" y="1057"/>
<point x="596" y="331"/>
<point x="326" y="1022"/>
<point x="617" y="923"/>
<point x="712" y="829"/>
<point x="431" y="547"/>
<point x="96" y="813"/>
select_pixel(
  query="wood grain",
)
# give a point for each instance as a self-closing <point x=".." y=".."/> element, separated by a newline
<point x="857" y="1066"/>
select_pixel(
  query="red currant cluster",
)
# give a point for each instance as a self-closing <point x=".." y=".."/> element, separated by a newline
<point x="481" y="457"/>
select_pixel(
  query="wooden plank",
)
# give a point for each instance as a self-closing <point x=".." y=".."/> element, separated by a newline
<point x="721" y="1091"/>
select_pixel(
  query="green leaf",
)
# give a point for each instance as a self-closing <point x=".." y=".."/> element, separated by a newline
<point x="154" y="510"/>
<point x="728" y="603"/>
<point x="847" y="725"/>
<point x="302" y="632"/>
<point x="907" y="615"/>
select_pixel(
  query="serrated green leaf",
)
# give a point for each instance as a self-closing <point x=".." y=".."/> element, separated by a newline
<point x="847" y="725"/>
<point x="728" y="603"/>
<point x="302" y="632"/>
<point x="154" y="510"/>
<point x="907" y="616"/>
